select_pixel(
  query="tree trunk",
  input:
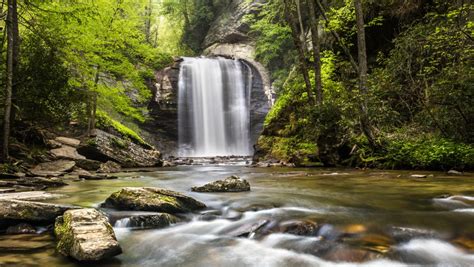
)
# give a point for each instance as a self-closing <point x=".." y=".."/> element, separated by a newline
<point x="316" y="51"/>
<point x="12" y="5"/>
<point x="362" y="52"/>
<point x="300" y="23"/>
<point x="148" y="13"/>
<point x="301" y="53"/>
<point x="92" y="109"/>
<point x="187" y="22"/>
<point x="16" y="63"/>
<point x="338" y="38"/>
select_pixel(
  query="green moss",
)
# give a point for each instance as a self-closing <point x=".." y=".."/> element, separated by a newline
<point x="105" y="122"/>
<point x="119" y="143"/>
<point x="286" y="149"/>
<point x="170" y="200"/>
<point x="62" y="230"/>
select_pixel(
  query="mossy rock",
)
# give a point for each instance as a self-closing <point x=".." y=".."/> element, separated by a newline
<point x="230" y="184"/>
<point x="28" y="211"/>
<point x="152" y="199"/>
<point x="86" y="235"/>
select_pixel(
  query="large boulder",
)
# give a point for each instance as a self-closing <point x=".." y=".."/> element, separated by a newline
<point x="19" y="210"/>
<point x="229" y="184"/>
<point x="152" y="199"/>
<point x="107" y="147"/>
<point x="53" y="168"/>
<point x="86" y="235"/>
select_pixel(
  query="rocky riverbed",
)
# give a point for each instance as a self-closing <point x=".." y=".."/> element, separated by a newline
<point x="290" y="217"/>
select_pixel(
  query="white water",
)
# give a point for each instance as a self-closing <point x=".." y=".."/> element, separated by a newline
<point x="213" y="108"/>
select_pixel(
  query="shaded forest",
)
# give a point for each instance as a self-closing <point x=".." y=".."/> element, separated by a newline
<point x="358" y="83"/>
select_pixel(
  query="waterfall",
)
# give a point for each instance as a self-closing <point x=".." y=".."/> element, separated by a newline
<point x="213" y="108"/>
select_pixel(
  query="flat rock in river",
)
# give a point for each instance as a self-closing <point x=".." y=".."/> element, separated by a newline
<point x="86" y="235"/>
<point x="229" y="184"/>
<point x="152" y="199"/>
<point x="67" y="152"/>
<point x="30" y="195"/>
<point x="53" y="168"/>
<point x="19" y="210"/>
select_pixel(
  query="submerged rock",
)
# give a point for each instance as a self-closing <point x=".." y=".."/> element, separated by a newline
<point x="97" y="177"/>
<point x="466" y="242"/>
<point x="152" y="199"/>
<point x="148" y="221"/>
<point x="53" y="168"/>
<point x="22" y="228"/>
<point x="230" y="184"/>
<point x="19" y="210"/>
<point x="107" y="147"/>
<point x="248" y="229"/>
<point x="303" y="228"/>
<point x="346" y="254"/>
<point x="22" y="243"/>
<point x="86" y="235"/>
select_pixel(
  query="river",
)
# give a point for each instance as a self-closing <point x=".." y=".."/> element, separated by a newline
<point x="367" y="218"/>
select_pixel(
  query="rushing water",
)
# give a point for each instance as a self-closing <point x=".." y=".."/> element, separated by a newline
<point x="213" y="108"/>
<point x="367" y="218"/>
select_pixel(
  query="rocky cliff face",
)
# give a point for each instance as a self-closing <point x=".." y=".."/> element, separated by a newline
<point x="227" y="37"/>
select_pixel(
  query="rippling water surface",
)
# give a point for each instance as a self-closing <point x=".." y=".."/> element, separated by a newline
<point x="367" y="218"/>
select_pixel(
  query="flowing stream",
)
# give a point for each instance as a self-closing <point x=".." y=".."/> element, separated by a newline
<point x="363" y="218"/>
<point x="213" y="108"/>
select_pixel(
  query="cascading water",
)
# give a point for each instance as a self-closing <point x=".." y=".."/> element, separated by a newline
<point x="213" y="108"/>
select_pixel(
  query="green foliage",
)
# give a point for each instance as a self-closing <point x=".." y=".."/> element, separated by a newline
<point x="107" y="123"/>
<point x="419" y="152"/>
<point x="43" y="92"/>
<point x="67" y="45"/>
<point x="287" y="149"/>
<point x="428" y="77"/>
<point x="421" y="88"/>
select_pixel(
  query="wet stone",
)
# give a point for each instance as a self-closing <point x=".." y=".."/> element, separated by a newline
<point x="346" y="254"/>
<point x="25" y="242"/>
<point x="247" y="230"/>
<point x="152" y="199"/>
<point x="86" y="235"/>
<point x="22" y="228"/>
<point x="230" y="184"/>
<point x="53" y="168"/>
<point x="303" y="228"/>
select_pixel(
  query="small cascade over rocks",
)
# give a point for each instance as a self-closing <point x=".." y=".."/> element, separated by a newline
<point x="213" y="107"/>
